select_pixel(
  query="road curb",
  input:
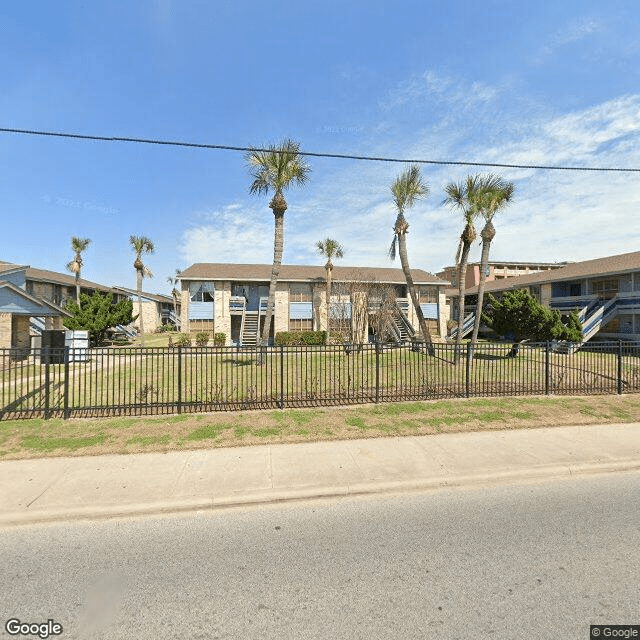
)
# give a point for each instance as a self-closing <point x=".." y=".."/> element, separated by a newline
<point x="199" y="505"/>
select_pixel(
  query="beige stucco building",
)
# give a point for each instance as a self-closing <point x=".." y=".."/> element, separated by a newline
<point x="231" y="299"/>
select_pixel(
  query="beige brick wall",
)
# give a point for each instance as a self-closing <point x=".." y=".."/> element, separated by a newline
<point x="281" y="321"/>
<point x="21" y="326"/>
<point x="53" y="322"/>
<point x="184" y="308"/>
<point x="545" y="294"/>
<point x="444" y="313"/>
<point x="223" y="315"/>
<point x="150" y="316"/>
<point x="5" y="330"/>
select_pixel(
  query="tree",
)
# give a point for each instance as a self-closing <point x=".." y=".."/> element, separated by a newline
<point x="96" y="314"/>
<point x="464" y="196"/>
<point x="494" y="195"/>
<point x="78" y="245"/>
<point x="519" y="316"/>
<point x="276" y="169"/>
<point x="175" y="294"/>
<point x="407" y="189"/>
<point x="331" y="249"/>
<point x="141" y="244"/>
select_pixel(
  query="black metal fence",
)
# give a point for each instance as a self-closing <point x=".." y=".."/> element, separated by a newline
<point x="137" y="381"/>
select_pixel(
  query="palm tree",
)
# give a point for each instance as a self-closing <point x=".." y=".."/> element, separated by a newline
<point x="78" y="245"/>
<point x="175" y="294"/>
<point x="465" y="196"/>
<point x="407" y="189"/>
<point x="331" y="249"/>
<point x="276" y="169"/>
<point x="495" y="194"/>
<point x="141" y="244"/>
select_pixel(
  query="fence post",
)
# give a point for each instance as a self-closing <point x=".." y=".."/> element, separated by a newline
<point x="467" y="374"/>
<point x="65" y="413"/>
<point x="546" y="369"/>
<point x="377" y="370"/>
<point x="619" y="367"/>
<point x="179" y="378"/>
<point x="47" y="361"/>
<point x="281" y="403"/>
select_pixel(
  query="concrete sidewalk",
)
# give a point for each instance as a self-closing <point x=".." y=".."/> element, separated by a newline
<point x="57" y="489"/>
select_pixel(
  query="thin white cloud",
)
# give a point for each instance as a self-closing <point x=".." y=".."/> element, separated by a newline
<point x="555" y="215"/>
<point x="573" y="32"/>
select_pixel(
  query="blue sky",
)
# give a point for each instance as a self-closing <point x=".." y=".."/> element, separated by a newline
<point x="497" y="81"/>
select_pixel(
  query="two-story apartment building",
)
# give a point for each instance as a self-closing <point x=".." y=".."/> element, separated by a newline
<point x="34" y="299"/>
<point x="496" y="271"/>
<point x="232" y="299"/>
<point x="157" y="309"/>
<point x="605" y="291"/>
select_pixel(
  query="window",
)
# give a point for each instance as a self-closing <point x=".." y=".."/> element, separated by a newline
<point x="300" y="292"/>
<point x="428" y="295"/>
<point x="302" y="324"/>
<point x="201" y="291"/>
<point x="605" y="288"/>
<point x="534" y="291"/>
<point x="575" y="289"/>
<point x="196" y="326"/>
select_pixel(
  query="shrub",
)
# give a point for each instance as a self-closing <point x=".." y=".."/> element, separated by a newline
<point x="219" y="339"/>
<point x="202" y="337"/>
<point x="164" y="328"/>
<point x="307" y="338"/>
<point x="183" y="340"/>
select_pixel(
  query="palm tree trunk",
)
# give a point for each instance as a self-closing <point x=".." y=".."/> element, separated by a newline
<point x="462" y="275"/>
<point x="140" y="320"/>
<point x="488" y="233"/>
<point x="404" y="261"/>
<point x="78" y="287"/>
<point x="278" y="245"/>
<point x="328" y="304"/>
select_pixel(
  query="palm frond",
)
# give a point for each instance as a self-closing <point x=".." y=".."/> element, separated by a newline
<point x="459" y="251"/>
<point x="330" y="248"/>
<point x="141" y="244"/>
<point x="409" y="187"/>
<point x="392" y="248"/>
<point x="73" y="267"/>
<point x="277" y="167"/>
<point x="78" y="245"/>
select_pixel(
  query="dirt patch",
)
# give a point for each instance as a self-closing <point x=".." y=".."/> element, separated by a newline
<point x="97" y="436"/>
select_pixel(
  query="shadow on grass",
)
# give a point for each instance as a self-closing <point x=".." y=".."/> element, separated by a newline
<point x="240" y="363"/>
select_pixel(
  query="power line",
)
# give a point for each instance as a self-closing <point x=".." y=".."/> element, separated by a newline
<point x="342" y="156"/>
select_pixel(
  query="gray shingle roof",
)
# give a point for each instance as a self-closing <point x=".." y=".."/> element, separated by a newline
<point x="297" y="273"/>
<point x="623" y="263"/>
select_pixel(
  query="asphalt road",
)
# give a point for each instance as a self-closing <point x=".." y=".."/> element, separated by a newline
<point x="533" y="561"/>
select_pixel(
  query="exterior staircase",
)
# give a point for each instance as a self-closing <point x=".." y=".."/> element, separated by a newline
<point x="401" y="328"/>
<point x="598" y="317"/>
<point x="249" y="329"/>
<point x="466" y="327"/>
<point x="37" y="325"/>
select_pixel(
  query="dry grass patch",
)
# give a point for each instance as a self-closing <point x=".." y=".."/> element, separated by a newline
<point x="95" y="436"/>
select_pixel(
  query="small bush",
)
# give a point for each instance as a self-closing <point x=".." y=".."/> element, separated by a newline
<point x="202" y="337"/>
<point x="219" y="339"/>
<point x="183" y="340"/>
<point x="306" y="338"/>
<point x="164" y="328"/>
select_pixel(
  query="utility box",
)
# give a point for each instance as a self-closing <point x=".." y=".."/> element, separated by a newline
<point x="78" y="344"/>
<point x="52" y="347"/>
